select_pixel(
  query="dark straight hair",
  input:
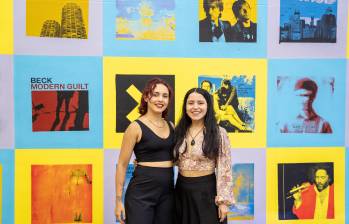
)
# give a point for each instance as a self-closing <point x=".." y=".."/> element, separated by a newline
<point x="212" y="140"/>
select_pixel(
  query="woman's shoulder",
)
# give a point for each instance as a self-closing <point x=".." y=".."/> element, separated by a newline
<point x="222" y="130"/>
<point x="134" y="126"/>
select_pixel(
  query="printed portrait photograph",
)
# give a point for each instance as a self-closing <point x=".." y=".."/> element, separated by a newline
<point x="60" y="110"/>
<point x="145" y="20"/>
<point x="228" y="20"/>
<point x="308" y="21"/>
<point x="234" y="100"/>
<point x="57" y="18"/>
<point x="306" y="191"/>
<point x="305" y="98"/>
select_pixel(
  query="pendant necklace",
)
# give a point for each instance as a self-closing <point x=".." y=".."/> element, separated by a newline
<point x="192" y="143"/>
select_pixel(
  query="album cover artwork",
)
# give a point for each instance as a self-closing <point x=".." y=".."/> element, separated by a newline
<point x="57" y="18"/>
<point x="60" y="110"/>
<point x="145" y="20"/>
<point x="228" y="21"/>
<point x="305" y="21"/>
<point x="306" y="191"/>
<point x="305" y="98"/>
<point x="128" y="96"/>
<point x="234" y="100"/>
<point x="243" y="178"/>
<point x="61" y="193"/>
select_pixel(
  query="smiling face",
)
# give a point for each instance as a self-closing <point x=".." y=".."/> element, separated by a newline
<point x="159" y="99"/>
<point x="196" y="107"/>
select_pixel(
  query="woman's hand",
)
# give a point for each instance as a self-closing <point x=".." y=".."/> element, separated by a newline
<point x="120" y="212"/>
<point x="135" y="163"/>
<point x="222" y="212"/>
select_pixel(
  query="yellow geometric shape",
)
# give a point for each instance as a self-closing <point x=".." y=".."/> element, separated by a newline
<point x="136" y="95"/>
<point x="6" y="26"/>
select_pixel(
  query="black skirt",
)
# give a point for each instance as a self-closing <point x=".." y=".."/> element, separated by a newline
<point x="195" y="200"/>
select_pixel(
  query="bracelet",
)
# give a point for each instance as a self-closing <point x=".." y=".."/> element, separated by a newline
<point x="118" y="198"/>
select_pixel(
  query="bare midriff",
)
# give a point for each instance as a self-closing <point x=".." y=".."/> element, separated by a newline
<point x="162" y="164"/>
<point x="195" y="173"/>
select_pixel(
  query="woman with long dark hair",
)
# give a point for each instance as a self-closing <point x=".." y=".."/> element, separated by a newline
<point x="202" y="152"/>
<point x="149" y="195"/>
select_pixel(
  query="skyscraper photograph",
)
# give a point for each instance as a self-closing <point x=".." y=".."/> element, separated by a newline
<point x="60" y="19"/>
<point x="308" y="21"/>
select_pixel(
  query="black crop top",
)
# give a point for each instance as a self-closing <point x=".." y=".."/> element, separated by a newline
<point x="151" y="147"/>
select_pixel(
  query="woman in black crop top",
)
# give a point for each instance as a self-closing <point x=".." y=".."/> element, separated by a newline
<point x="149" y="195"/>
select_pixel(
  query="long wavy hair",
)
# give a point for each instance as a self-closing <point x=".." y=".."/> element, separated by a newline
<point x="148" y="93"/>
<point x="212" y="141"/>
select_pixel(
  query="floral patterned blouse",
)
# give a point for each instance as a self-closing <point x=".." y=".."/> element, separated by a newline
<point x="194" y="160"/>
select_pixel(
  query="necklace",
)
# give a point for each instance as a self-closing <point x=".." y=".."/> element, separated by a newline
<point x="192" y="143"/>
<point x="158" y="126"/>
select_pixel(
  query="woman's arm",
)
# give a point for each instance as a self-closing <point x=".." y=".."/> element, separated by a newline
<point x="224" y="196"/>
<point x="130" y="138"/>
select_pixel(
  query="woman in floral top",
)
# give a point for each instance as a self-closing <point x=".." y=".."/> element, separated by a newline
<point x="202" y="152"/>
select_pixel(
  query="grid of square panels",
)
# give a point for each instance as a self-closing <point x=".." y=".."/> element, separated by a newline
<point x="68" y="90"/>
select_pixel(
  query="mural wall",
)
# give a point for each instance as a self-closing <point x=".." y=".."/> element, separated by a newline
<point x="72" y="73"/>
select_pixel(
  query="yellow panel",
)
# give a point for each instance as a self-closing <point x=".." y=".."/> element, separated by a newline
<point x="186" y="73"/>
<point x="305" y="155"/>
<point x="6" y="26"/>
<point x="27" y="157"/>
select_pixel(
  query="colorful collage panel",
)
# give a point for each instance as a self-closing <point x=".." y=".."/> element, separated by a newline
<point x="315" y="29"/>
<point x="306" y="102"/>
<point x="65" y="185"/>
<point x="296" y="178"/>
<point x="6" y="186"/>
<point x="175" y="28"/>
<point x="248" y="167"/>
<point x="247" y="112"/>
<point x="65" y="97"/>
<point x="58" y="27"/>
<point x="239" y="96"/>
<point x="6" y="102"/>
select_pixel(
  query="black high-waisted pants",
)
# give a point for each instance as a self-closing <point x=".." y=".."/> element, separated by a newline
<point x="149" y="196"/>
